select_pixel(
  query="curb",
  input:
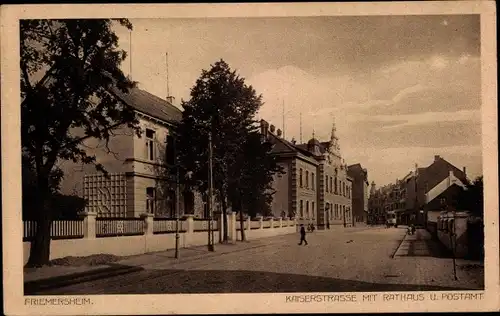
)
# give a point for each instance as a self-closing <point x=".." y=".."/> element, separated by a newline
<point x="34" y="287"/>
<point x="399" y="246"/>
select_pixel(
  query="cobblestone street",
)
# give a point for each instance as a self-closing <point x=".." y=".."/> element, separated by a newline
<point x="335" y="261"/>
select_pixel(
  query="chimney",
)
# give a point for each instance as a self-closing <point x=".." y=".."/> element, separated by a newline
<point x="273" y="128"/>
<point x="465" y="171"/>
<point x="278" y="132"/>
<point x="436" y="157"/>
<point x="171" y="99"/>
<point x="294" y="141"/>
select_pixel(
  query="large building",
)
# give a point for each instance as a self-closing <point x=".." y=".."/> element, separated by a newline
<point x="140" y="179"/>
<point x="360" y="192"/>
<point x="315" y="186"/>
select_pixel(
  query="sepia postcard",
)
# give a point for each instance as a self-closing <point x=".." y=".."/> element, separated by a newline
<point x="249" y="158"/>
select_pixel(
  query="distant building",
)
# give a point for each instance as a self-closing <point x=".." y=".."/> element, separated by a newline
<point x="315" y="186"/>
<point x="360" y="192"/>
<point x="415" y="194"/>
<point x="140" y="180"/>
<point x="432" y="181"/>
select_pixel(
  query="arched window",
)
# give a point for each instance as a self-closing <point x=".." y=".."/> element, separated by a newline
<point x="312" y="181"/>
<point x="326" y="183"/>
<point x="307" y="210"/>
<point x="300" y="177"/>
<point x="301" y="209"/>
<point x="307" y="179"/>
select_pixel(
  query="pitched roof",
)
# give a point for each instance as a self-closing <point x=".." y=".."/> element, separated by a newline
<point x="150" y="104"/>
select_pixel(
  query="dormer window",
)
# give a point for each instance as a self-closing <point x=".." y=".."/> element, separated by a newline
<point x="150" y="138"/>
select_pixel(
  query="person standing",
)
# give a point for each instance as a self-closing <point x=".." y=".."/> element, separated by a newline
<point x="302" y="235"/>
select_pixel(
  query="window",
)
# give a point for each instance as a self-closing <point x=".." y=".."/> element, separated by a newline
<point x="307" y="209"/>
<point x="170" y="150"/>
<point x="312" y="180"/>
<point x="326" y="183"/>
<point x="150" y="200"/>
<point x="307" y="179"/>
<point x="331" y="185"/>
<point x="336" y="191"/>
<point x="312" y="210"/>
<point x="300" y="177"/>
<point x="150" y="147"/>
<point x="301" y="209"/>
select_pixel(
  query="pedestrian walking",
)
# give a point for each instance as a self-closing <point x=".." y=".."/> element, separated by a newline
<point x="302" y="235"/>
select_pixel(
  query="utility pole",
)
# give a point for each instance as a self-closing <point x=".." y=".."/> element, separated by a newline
<point x="168" y="83"/>
<point x="210" y="195"/>
<point x="283" y="118"/>
<point x="177" y="199"/>
<point x="300" y="127"/>
<point x="453" y="240"/>
<point x="130" y="52"/>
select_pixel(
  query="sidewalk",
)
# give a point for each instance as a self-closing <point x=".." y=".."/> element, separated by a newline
<point x="136" y="262"/>
<point x="435" y="265"/>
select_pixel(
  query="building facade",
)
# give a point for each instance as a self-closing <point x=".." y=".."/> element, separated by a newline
<point x="409" y="197"/>
<point x="360" y="192"/>
<point x="315" y="186"/>
<point x="141" y="167"/>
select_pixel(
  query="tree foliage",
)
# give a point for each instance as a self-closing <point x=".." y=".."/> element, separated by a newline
<point x="472" y="199"/>
<point x="252" y="182"/>
<point x="69" y="69"/>
<point x="223" y="105"/>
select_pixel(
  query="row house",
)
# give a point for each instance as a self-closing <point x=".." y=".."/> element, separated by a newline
<point x="360" y="192"/>
<point x="315" y="186"/>
<point x="414" y="195"/>
<point x="142" y="177"/>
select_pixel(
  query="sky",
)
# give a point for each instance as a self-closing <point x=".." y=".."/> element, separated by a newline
<point x="400" y="89"/>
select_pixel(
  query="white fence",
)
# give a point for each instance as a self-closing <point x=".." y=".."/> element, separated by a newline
<point x="106" y="227"/>
<point x="58" y="230"/>
<point x="122" y="236"/>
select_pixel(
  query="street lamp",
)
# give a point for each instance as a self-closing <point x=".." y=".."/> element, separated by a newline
<point x="177" y="199"/>
<point x="210" y="196"/>
<point x="452" y="235"/>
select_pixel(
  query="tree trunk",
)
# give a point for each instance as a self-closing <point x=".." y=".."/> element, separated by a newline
<point x="40" y="245"/>
<point x="242" y="225"/>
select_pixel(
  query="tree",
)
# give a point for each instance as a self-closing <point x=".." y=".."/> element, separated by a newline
<point x="472" y="199"/>
<point x="223" y="105"/>
<point x="69" y="69"/>
<point x="251" y="187"/>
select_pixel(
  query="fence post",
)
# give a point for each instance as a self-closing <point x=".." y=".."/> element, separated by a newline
<point x="261" y="222"/>
<point x="89" y="224"/>
<point x="220" y="226"/>
<point x="189" y="219"/>
<point x="232" y="226"/>
<point x="249" y="224"/>
<point x="281" y="222"/>
<point x="271" y="223"/>
<point x="148" y="223"/>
